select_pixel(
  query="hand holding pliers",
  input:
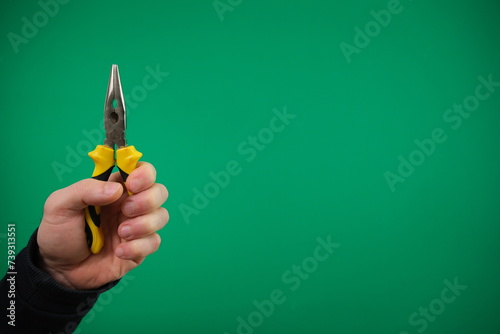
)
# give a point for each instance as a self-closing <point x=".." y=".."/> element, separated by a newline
<point x="104" y="155"/>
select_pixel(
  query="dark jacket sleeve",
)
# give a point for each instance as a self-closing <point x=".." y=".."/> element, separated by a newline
<point x="35" y="303"/>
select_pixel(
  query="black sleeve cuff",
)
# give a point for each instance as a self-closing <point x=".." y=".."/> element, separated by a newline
<point x="42" y="305"/>
<point x="39" y="290"/>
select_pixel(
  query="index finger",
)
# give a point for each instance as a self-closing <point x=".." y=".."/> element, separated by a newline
<point x="140" y="179"/>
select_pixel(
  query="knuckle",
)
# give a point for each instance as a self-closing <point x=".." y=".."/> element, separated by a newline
<point x="150" y="225"/>
<point x="51" y="201"/>
<point x="165" y="214"/>
<point x="150" y="200"/>
<point x="154" y="198"/>
<point x="146" y="171"/>
<point x="163" y="192"/>
<point x="83" y="185"/>
<point x="152" y="171"/>
<point x="156" y="242"/>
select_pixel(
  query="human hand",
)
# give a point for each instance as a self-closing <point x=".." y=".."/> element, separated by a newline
<point x="129" y="225"/>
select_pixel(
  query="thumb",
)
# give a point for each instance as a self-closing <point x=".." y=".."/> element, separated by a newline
<point x="81" y="194"/>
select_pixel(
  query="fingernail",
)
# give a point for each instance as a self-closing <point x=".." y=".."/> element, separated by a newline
<point x="119" y="252"/>
<point x="129" y="208"/>
<point x="110" y="188"/>
<point x="126" y="232"/>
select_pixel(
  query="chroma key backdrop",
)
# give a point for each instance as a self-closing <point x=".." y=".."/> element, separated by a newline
<point x="333" y="166"/>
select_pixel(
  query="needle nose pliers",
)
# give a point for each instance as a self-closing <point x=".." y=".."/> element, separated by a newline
<point x="104" y="155"/>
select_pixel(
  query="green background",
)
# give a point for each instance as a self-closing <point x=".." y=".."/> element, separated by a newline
<point x="323" y="175"/>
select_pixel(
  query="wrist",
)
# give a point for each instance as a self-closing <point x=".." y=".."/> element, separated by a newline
<point x="56" y="274"/>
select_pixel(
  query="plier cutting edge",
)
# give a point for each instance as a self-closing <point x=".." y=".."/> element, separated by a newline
<point x="104" y="155"/>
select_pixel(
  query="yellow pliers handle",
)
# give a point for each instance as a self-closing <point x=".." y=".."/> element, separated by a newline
<point x="104" y="160"/>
